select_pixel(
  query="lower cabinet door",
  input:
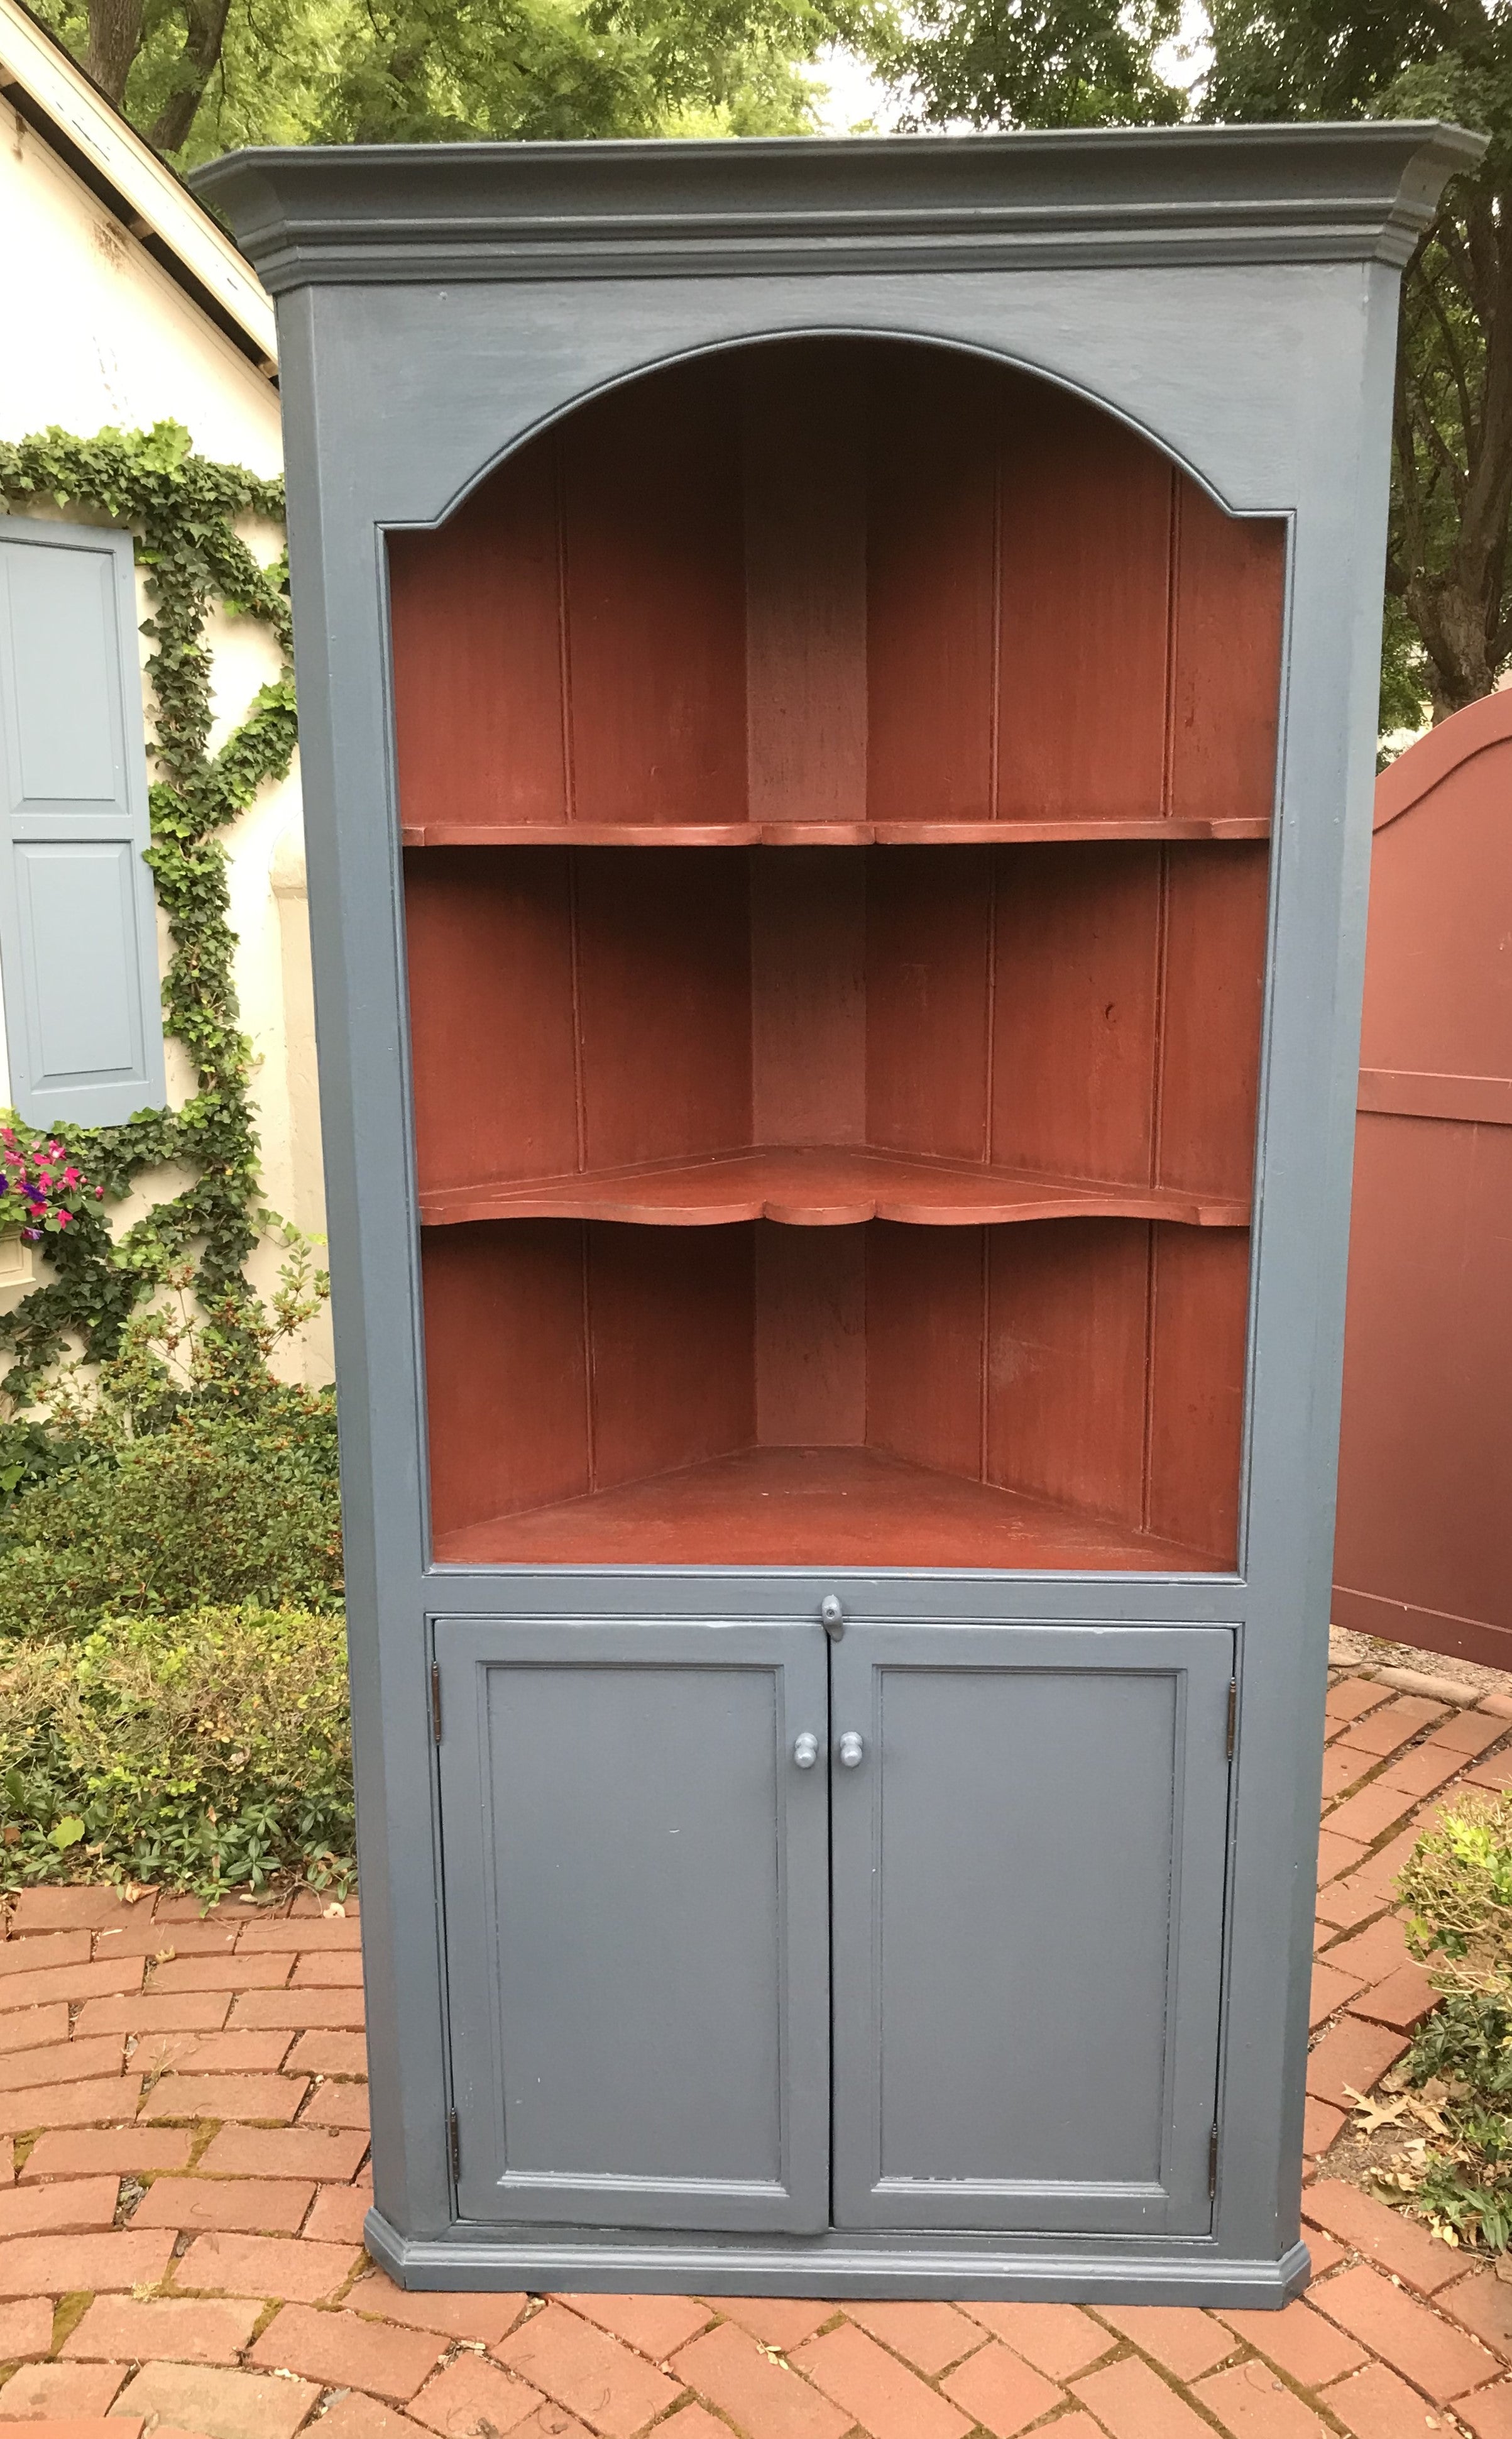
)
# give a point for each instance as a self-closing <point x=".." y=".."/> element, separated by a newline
<point x="636" y="1876"/>
<point x="1029" y="1826"/>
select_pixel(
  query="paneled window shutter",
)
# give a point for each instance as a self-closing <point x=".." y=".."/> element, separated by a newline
<point x="78" y="929"/>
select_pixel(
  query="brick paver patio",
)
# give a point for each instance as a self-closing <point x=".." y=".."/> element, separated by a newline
<point x="182" y="2191"/>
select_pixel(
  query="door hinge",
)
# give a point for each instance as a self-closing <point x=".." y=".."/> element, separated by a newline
<point x="1211" y="2161"/>
<point x="1234" y="1716"/>
<point x="454" y="2137"/>
<point x="435" y="1701"/>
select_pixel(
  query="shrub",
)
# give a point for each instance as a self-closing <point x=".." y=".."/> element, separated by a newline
<point x="207" y="1752"/>
<point x="1458" y="1885"/>
<point x="182" y="1475"/>
<point x="219" y="1507"/>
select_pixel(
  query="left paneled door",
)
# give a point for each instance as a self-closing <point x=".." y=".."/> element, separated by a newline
<point x="636" y="1874"/>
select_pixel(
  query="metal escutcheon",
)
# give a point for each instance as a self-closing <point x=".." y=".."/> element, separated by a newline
<point x="806" y="1750"/>
<point x="851" y="1750"/>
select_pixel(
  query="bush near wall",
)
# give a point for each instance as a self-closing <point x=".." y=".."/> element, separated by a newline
<point x="216" y="1506"/>
<point x="207" y="1751"/>
<point x="1458" y="1888"/>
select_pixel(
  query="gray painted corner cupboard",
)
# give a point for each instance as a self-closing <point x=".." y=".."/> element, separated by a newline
<point x="838" y="688"/>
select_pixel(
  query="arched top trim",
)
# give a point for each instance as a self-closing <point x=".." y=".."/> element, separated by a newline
<point x="1000" y="359"/>
<point x="1430" y="762"/>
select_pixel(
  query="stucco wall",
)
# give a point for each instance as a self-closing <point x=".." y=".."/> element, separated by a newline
<point x="97" y="332"/>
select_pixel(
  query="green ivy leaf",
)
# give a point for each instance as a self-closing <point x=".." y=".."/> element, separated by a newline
<point x="183" y="510"/>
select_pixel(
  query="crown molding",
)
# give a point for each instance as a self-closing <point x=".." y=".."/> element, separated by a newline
<point x="1081" y="198"/>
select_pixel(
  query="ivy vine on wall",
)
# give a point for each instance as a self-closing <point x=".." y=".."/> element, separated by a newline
<point x="181" y="510"/>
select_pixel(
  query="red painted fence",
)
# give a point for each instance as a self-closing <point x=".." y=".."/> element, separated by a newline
<point x="1424" y="1547"/>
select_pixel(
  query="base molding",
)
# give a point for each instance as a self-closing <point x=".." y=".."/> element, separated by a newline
<point x="479" y="2261"/>
<point x="1427" y="1629"/>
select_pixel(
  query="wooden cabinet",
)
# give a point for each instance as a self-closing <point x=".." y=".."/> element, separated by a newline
<point x="837" y="693"/>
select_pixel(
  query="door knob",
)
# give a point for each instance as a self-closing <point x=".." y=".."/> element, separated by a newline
<point x="851" y="1750"/>
<point x="806" y="1750"/>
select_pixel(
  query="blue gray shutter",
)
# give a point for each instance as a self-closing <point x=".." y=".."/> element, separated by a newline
<point x="78" y="930"/>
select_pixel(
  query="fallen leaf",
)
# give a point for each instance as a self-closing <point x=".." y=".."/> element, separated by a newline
<point x="1373" y="2114"/>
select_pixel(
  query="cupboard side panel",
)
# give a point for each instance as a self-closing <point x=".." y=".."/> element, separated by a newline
<point x="672" y="1347"/>
<point x="664" y="1003"/>
<point x="1076" y="974"/>
<point x="1200" y="1304"/>
<point x="504" y="1370"/>
<point x="489" y="941"/>
<point x="931" y="578"/>
<point x="1226" y="673"/>
<point x="928" y="981"/>
<point x="475" y="619"/>
<point x="1217" y="906"/>
<point x="1086" y="526"/>
<point x="926" y="1298"/>
<point x="1066" y="1339"/>
<point x="655" y="601"/>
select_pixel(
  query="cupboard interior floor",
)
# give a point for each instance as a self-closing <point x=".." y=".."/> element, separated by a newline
<point x="811" y="1507"/>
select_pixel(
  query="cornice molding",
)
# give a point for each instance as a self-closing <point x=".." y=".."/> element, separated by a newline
<point x="1076" y="198"/>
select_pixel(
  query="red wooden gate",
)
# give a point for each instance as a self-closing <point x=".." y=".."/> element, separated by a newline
<point x="1424" y="1547"/>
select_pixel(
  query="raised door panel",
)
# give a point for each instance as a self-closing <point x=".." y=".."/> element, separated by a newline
<point x="636" y="1922"/>
<point x="1027" y="1936"/>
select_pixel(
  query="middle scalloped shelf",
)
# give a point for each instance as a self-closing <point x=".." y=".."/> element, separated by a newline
<point x="809" y="1187"/>
<point x="1010" y="830"/>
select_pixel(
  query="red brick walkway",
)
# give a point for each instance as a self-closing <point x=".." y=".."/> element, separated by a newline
<point x="181" y="2222"/>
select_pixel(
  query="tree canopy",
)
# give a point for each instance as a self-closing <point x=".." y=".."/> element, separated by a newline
<point x="198" y="76"/>
<point x="1069" y="62"/>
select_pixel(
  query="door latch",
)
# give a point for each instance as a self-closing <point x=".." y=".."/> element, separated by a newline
<point x="832" y="1616"/>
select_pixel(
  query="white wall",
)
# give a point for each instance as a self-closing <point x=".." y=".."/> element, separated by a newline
<point x="93" y="331"/>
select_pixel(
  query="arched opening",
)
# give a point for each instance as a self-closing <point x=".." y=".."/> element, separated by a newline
<point x="882" y="1199"/>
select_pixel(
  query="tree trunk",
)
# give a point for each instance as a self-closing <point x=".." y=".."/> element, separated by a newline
<point x="204" y="34"/>
<point x="1455" y="622"/>
<point x="115" y="36"/>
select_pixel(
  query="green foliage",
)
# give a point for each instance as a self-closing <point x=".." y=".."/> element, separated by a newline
<point x="387" y="71"/>
<point x="1077" y="62"/>
<point x="1458" y="1885"/>
<point x="30" y="1453"/>
<point x="432" y="70"/>
<point x="184" y="511"/>
<point x="179" y="1475"/>
<point x="1041" y="64"/>
<point x="207" y="1752"/>
<point x="1449" y="630"/>
<point x="212" y="1508"/>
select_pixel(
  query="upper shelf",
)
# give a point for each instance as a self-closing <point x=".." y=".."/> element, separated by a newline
<point x="818" y="833"/>
<point x="819" y="1188"/>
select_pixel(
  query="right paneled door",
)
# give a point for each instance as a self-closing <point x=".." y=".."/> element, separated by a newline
<point x="1029" y="1832"/>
